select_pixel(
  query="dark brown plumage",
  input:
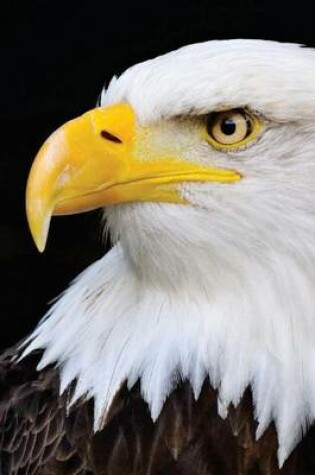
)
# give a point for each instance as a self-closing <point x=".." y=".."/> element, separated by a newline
<point x="38" y="436"/>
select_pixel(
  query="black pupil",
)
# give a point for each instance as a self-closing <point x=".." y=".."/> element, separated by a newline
<point x="228" y="126"/>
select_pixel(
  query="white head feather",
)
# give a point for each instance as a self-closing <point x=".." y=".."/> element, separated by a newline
<point x="223" y="287"/>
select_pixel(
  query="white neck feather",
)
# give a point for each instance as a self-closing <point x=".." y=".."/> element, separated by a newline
<point x="255" y="328"/>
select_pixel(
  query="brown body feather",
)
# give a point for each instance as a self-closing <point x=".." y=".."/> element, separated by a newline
<point x="38" y="436"/>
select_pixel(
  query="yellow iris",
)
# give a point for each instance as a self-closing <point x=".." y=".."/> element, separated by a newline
<point x="232" y="129"/>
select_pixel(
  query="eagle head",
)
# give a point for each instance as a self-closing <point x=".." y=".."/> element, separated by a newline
<point x="203" y="160"/>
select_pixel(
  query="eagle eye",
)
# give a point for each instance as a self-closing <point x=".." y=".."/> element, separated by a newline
<point x="231" y="129"/>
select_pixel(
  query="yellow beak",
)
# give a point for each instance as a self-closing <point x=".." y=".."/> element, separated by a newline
<point x="91" y="162"/>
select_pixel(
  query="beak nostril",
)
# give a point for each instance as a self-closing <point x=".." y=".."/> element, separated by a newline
<point x="108" y="136"/>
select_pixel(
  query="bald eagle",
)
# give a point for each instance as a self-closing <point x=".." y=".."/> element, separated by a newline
<point x="189" y="348"/>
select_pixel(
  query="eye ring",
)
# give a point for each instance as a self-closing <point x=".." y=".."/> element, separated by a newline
<point x="231" y="129"/>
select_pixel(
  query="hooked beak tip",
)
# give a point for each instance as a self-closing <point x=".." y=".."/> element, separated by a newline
<point x="39" y="226"/>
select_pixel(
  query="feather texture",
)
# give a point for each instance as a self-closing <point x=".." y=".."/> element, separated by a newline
<point x="38" y="436"/>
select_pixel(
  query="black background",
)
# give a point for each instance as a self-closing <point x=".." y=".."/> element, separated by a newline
<point x="54" y="60"/>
